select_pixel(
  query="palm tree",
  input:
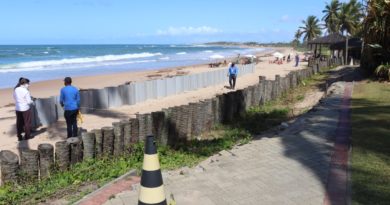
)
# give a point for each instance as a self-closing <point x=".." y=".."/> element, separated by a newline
<point x="350" y="16"/>
<point x="376" y="34"/>
<point x="331" y="17"/>
<point x="297" y="36"/>
<point x="311" y="28"/>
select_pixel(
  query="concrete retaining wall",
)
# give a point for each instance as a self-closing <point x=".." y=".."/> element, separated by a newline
<point x="48" y="110"/>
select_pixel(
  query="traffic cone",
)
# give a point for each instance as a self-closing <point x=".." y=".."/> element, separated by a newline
<point x="152" y="188"/>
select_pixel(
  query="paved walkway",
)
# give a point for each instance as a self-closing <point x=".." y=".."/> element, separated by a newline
<point x="281" y="167"/>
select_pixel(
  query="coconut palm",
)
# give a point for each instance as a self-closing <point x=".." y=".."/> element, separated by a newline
<point x="297" y="36"/>
<point x="311" y="28"/>
<point x="350" y="17"/>
<point x="376" y="34"/>
<point x="331" y="17"/>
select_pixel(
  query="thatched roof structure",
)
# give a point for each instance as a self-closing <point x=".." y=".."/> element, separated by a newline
<point x="352" y="43"/>
<point x="328" y="40"/>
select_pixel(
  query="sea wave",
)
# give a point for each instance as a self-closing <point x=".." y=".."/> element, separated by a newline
<point x="71" y="61"/>
<point x="208" y="51"/>
<point x="181" y="53"/>
<point x="74" y="66"/>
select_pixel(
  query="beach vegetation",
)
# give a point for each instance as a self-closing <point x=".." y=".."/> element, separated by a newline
<point x="383" y="71"/>
<point x="331" y="17"/>
<point x="350" y="18"/>
<point x="295" y="43"/>
<point x="89" y="175"/>
<point x="311" y="28"/>
<point x="376" y="35"/>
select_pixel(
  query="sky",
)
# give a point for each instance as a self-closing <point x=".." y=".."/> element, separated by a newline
<point x="153" y="22"/>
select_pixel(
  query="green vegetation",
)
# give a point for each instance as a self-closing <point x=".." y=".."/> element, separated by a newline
<point x="310" y="29"/>
<point x="338" y="18"/>
<point x="383" y="72"/>
<point x="376" y="34"/>
<point x="371" y="143"/>
<point x="281" y="109"/>
<point x="95" y="173"/>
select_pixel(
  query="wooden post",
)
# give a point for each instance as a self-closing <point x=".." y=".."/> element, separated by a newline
<point x="126" y="134"/>
<point x="134" y="130"/>
<point x="46" y="159"/>
<point x="9" y="166"/>
<point x="62" y="155"/>
<point x="75" y="150"/>
<point x="89" y="145"/>
<point x="99" y="142"/>
<point x="118" y="138"/>
<point x="29" y="164"/>
<point x="108" y="141"/>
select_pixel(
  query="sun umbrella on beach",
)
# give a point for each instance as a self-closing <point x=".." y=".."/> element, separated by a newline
<point x="278" y="55"/>
<point x="217" y="56"/>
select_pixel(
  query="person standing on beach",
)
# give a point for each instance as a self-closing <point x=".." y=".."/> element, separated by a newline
<point x="23" y="102"/>
<point x="296" y="60"/>
<point x="233" y="71"/>
<point x="70" y="101"/>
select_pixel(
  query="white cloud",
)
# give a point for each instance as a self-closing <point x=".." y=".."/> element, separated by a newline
<point x="181" y="31"/>
<point x="285" y="18"/>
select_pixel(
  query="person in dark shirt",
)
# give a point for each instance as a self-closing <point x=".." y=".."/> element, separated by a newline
<point x="296" y="60"/>
<point x="70" y="101"/>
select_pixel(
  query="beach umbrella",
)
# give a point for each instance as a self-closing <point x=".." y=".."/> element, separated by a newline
<point x="217" y="56"/>
<point x="278" y="55"/>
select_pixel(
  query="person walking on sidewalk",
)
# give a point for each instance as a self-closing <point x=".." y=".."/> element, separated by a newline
<point x="23" y="111"/>
<point x="70" y="101"/>
<point x="232" y="73"/>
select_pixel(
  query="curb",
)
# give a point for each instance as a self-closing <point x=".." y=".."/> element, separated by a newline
<point x="337" y="188"/>
<point x="114" y="187"/>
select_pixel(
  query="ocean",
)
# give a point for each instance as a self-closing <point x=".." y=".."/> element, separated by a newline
<point x="48" y="62"/>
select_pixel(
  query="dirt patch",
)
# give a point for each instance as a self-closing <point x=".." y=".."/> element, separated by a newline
<point x="310" y="99"/>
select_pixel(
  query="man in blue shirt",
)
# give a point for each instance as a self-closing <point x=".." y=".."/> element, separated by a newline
<point x="70" y="101"/>
<point x="233" y="71"/>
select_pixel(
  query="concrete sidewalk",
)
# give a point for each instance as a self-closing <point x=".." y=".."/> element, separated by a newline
<point x="281" y="167"/>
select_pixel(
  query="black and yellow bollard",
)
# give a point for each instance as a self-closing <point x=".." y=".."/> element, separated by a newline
<point x="152" y="188"/>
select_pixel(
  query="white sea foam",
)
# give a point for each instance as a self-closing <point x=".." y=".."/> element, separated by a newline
<point x="181" y="53"/>
<point x="200" y="45"/>
<point x="34" y="65"/>
<point x="164" y="58"/>
<point x="208" y="51"/>
<point x="74" y="66"/>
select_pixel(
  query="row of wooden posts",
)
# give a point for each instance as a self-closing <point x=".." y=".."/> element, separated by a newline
<point x="169" y="126"/>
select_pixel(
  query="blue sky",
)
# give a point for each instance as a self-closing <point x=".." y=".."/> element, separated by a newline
<point x="147" y="21"/>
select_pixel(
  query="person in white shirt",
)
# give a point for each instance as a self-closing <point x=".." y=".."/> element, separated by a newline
<point x="23" y="103"/>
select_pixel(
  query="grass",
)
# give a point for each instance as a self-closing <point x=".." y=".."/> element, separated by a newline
<point x="71" y="185"/>
<point x="370" y="162"/>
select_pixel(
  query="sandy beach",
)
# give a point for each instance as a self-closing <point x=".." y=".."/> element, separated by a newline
<point x="98" y="119"/>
